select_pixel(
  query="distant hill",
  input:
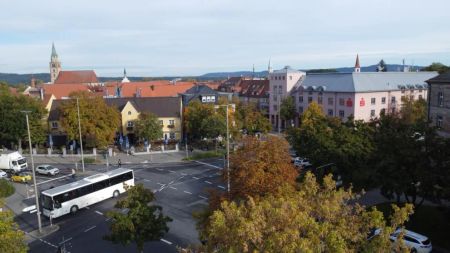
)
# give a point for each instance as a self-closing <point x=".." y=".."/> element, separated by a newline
<point x="15" y="79"/>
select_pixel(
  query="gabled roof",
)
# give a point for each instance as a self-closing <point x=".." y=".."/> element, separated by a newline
<point x="442" y="78"/>
<point x="63" y="90"/>
<point x="160" y="106"/>
<point x="76" y="76"/>
<point x="200" y="89"/>
<point x="254" y="88"/>
<point x="365" y="81"/>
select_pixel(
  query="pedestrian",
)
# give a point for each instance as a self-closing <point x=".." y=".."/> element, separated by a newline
<point x="119" y="163"/>
<point x="191" y="149"/>
<point x="73" y="173"/>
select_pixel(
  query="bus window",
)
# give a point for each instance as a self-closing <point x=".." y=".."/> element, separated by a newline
<point x="47" y="202"/>
<point x="101" y="185"/>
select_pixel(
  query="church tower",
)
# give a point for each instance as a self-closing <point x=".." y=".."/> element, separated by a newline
<point x="55" y="65"/>
<point x="357" y="66"/>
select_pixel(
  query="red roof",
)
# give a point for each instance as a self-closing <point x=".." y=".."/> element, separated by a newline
<point x="77" y="76"/>
<point x="63" y="90"/>
<point x="254" y="88"/>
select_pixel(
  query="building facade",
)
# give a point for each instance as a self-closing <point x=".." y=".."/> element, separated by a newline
<point x="439" y="103"/>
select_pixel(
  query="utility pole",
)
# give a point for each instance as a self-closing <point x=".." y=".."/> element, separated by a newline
<point x="81" y="139"/>
<point x="38" y="213"/>
<point x="228" y="156"/>
<point x="279" y="113"/>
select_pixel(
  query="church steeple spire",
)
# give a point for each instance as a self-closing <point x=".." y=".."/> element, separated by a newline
<point x="55" y="65"/>
<point x="125" y="78"/>
<point x="357" y="66"/>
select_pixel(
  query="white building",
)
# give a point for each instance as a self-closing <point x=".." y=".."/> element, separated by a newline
<point x="363" y="95"/>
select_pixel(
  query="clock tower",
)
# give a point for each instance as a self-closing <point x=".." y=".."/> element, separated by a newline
<point x="55" y="65"/>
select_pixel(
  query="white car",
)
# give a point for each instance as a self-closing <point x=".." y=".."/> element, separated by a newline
<point x="3" y="174"/>
<point x="416" y="242"/>
<point x="301" y="162"/>
<point x="47" y="170"/>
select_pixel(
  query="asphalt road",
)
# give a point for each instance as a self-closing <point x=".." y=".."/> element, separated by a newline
<point x="180" y="188"/>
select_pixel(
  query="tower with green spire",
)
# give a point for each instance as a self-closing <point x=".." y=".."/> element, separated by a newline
<point x="55" y="65"/>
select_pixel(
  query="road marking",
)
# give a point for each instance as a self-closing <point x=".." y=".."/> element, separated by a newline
<point x="171" y="182"/>
<point x="187" y="192"/>
<point x="210" y="165"/>
<point x="211" y="176"/>
<point x="89" y="229"/>
<point x="221" y="187"/>
<point x="171" y="187"/>
<point x="108" y="219"/>
<point x="99" y="212"/>
<point x="146" y="180"/>
<point x="53" y="179"/>
<point x="203" y="197"/>
<point x="33" y="211"/>
<point x="208" y="182"/>
<point x="171" y="171"/>
<point x="184" y="174"/>
<point x="162" y="240"/>
<point x="145" y="161"/>
<point x="160" y="184"/>
<point x="65" y="241"/>
<point x="196" y="178"/>
<point x="159" y="169"/>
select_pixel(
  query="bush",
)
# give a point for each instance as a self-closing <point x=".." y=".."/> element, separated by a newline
<point x="204" y="155"/>
<point x="89" y="160"/>
<point x="6" y="188"/>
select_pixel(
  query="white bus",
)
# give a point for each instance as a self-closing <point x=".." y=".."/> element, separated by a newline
<point x="69" y="198"/>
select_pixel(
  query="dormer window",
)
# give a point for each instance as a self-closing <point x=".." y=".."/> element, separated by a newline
<point x="129" y="112"/>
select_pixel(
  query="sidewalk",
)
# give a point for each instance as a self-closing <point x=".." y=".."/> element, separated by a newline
<point x="100" y="159"/>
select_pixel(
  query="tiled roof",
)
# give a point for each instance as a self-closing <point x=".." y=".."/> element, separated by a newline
<point x="231" y="84"/>
<point x="160" y="106"/>
<point x="63" y="90"/>
<point x="442" y="78"/>
<point x="77" y="76"/>
<point x="254" y="88"/>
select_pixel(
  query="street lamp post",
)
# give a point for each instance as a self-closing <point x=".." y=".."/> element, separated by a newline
<point x="81" y="139"/>
<point x="228" y="148"/>
<point x="38" y="213"/>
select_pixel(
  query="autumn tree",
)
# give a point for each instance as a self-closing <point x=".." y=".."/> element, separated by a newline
<point x="252" y="120"/>
<point x="143" y="222"/>
<point x="312" y="218"/>
<point x="287" y="109"/>
<point x="99" y="122"/>
<point x="148" y="127"/>
<point x="12" y="240"/>
<point x="13" y="127"/>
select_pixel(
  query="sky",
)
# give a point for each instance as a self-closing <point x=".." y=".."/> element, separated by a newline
<point x="194" y="37"/>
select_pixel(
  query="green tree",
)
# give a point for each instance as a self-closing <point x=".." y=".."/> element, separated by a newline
<point x="252" y="120"/>
<point x="287" y="109"/>
<point x="437" y="66"/>
<point x="148" y="127"/>
<point x="143" y="222"/>
<point x="12" y="240"/>
<point x="382" y="67"/>
<point x="311" y="218"/>
<point x="99" y="122"/>
<point x="194" y="115"/>
<point x="13" y="127"/>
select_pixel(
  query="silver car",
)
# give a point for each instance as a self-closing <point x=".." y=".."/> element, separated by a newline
<point x="47" y="170"/>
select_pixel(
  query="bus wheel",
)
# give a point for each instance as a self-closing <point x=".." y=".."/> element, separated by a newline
<point x="116" y="194"/>
<point x="73" y="209"/>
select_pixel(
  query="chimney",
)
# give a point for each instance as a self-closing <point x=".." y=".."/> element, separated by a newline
<point x="41" y="93"/>
<point x="33" y="82"/>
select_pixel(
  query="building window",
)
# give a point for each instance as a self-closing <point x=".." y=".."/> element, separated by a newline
<point x="309" y="100"/>
<point x="372" y="113"/>
<point x="283" y="78"/>
<point x="440" y="98"/>
<point x="439" y="120"/>
<point x="330" y="112"/>
<point x="393" y="110"/>
<point x="280" y="89"/>
<point x="274" y="98"/>
<point x="341" y="101"/>
<point x="300" y="99"/>
<point x="54" y="124"/>
<point x="130" y="123"/>
<point x="383" y="100"/>
<point x="383" y="111"/>
<point x="161" y="123"/>
<point x="300" y="109"/>
<point x="341" y="113"/>
<point x="310" y="92"/>
<point x="372" y="101"/>
<point x="275" y="108"/>
<point x="129" y="112"/>
<point x="172" y="136"/>
<point x="319" y="100"/>
<point x="171" y="122"/>
<point x="330" y="101"/>
<point x="393" y="99"/>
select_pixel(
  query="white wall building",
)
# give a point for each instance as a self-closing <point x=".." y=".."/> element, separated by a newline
<point x="363" y="95"/>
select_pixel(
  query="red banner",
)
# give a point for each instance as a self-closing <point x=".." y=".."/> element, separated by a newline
<point x="362" y="102"/>
<point x="349" y="102"/>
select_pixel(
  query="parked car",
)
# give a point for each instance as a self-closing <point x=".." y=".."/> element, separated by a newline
<point x="416" y="242"/>
<point x="3" y="174"/>
<point x="47" y="170"/>
<point x="21" y="177"/>
<point x="301" y="162"/>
